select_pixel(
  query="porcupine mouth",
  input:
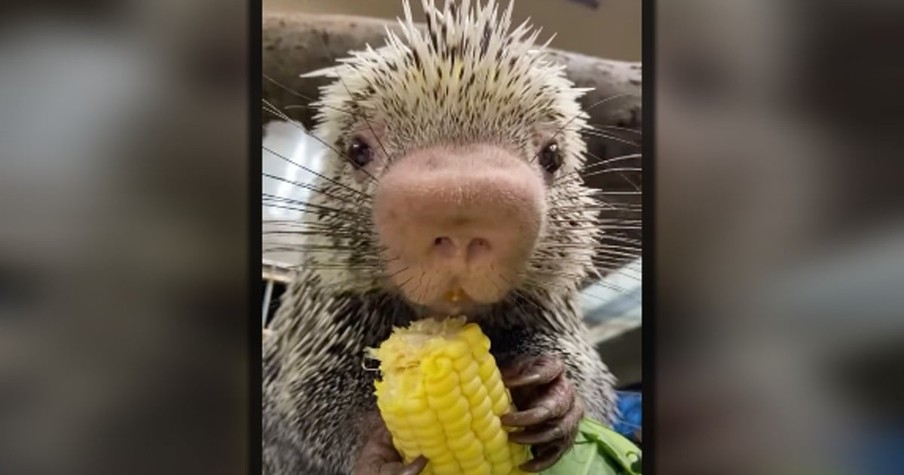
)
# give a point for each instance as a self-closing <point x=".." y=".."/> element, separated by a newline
<point x="455" y="302"/>
<point x="452" y="302"/>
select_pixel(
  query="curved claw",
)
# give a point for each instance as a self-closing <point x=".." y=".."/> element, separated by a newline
<point x="379" y="456"/>
<point x="413" y="468"/>
<point x="545" y="456"/>
<point x="554" y="403"/>
<point x="551" y="413"/>
<point x="563" y="428"/>
<point x="531" y="372"/>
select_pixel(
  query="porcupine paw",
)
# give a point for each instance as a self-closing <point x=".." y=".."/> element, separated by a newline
<point x="379" y="457"/>
<point x="549" y="408"/>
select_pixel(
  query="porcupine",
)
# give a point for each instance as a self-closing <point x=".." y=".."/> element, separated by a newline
<point x="452" y="187"/>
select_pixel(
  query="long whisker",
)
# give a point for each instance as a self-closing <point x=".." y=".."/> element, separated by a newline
<point x="563" y="127"/>
<point x="303" y="96"/>
<point x="589" y="169"/>
<point x="306" y="207"/>
<point x="597" y="133"/>
<point x="275" y="111"/>
<point x="305" y="186"/>
<point x="283" y="157"/>
<point x="634" y="185"/>
<point x="615" y="127"/>
<point x="591" y="166"/>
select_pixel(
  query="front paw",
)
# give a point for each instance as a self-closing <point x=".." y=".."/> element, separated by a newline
<point x="379" y="457"/>
<point x="549" y="409"/>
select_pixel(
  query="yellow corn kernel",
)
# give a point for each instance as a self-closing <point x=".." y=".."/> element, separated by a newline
<point x="441" y="396"/>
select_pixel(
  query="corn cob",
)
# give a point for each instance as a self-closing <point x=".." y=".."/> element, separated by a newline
<point x="441" y="396"/>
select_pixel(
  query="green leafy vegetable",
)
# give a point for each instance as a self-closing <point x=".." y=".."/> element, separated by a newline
<point x="598" y="450"/>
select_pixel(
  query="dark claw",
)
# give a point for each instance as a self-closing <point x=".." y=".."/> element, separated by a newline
<point x="548" y="453"/>
<point x="551" y="410"/>
<point x="555" y="403"/>
<point x="530" y="372"/>
<point x="545" y="456"/>
<point x="379" y="457"/>
<point x="562" y="428"/>
<point x="526" y="418"/>
<point x="549" y="433"/>
<point x="413" y="468"/>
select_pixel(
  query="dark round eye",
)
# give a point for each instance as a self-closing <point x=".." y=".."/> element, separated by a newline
<point x="551" y="157"/>
<point x="360" y="152"/>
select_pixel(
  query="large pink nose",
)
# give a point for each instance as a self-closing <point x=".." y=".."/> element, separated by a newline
<point x="459" y="215"/>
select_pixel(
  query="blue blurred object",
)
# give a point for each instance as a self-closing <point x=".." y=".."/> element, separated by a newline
<point x="630" y="418"/>
<point x="881" y="453"/>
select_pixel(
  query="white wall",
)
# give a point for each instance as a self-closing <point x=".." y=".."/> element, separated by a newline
<point x="290" y="142"/>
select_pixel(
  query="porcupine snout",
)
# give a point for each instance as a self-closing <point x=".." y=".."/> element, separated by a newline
<point x="458" y="224"/>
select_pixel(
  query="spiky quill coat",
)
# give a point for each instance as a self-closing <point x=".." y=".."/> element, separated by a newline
<point x="467" y="77"/>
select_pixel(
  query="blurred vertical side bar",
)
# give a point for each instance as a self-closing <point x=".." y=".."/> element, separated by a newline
<point x="124" y="211"/>
<point x="779" y="237"/>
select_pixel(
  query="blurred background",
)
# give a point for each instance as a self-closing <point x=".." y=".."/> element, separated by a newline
<point x="779" y="259"/>
<point x="125" y="185"/>
<point x="124" y="237"/>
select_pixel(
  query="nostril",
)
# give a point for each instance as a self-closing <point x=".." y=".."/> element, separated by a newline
<point x="478" y="247"/>
<point x="444" y="246"/>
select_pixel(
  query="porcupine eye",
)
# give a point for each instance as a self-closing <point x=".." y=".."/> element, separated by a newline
<point x="550" y="157"/>
<point x="359" y="152"/>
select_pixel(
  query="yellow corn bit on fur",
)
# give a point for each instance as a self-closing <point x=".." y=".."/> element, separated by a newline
<point x="441" y="396"/>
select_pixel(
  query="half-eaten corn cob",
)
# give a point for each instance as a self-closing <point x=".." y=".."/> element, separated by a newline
<point x="441" y="396"/>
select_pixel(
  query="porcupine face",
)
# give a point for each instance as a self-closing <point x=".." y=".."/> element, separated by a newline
<point x="456" y="151"/>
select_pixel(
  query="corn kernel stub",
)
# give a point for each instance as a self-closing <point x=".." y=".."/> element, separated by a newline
<point x="441" y="396"/>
